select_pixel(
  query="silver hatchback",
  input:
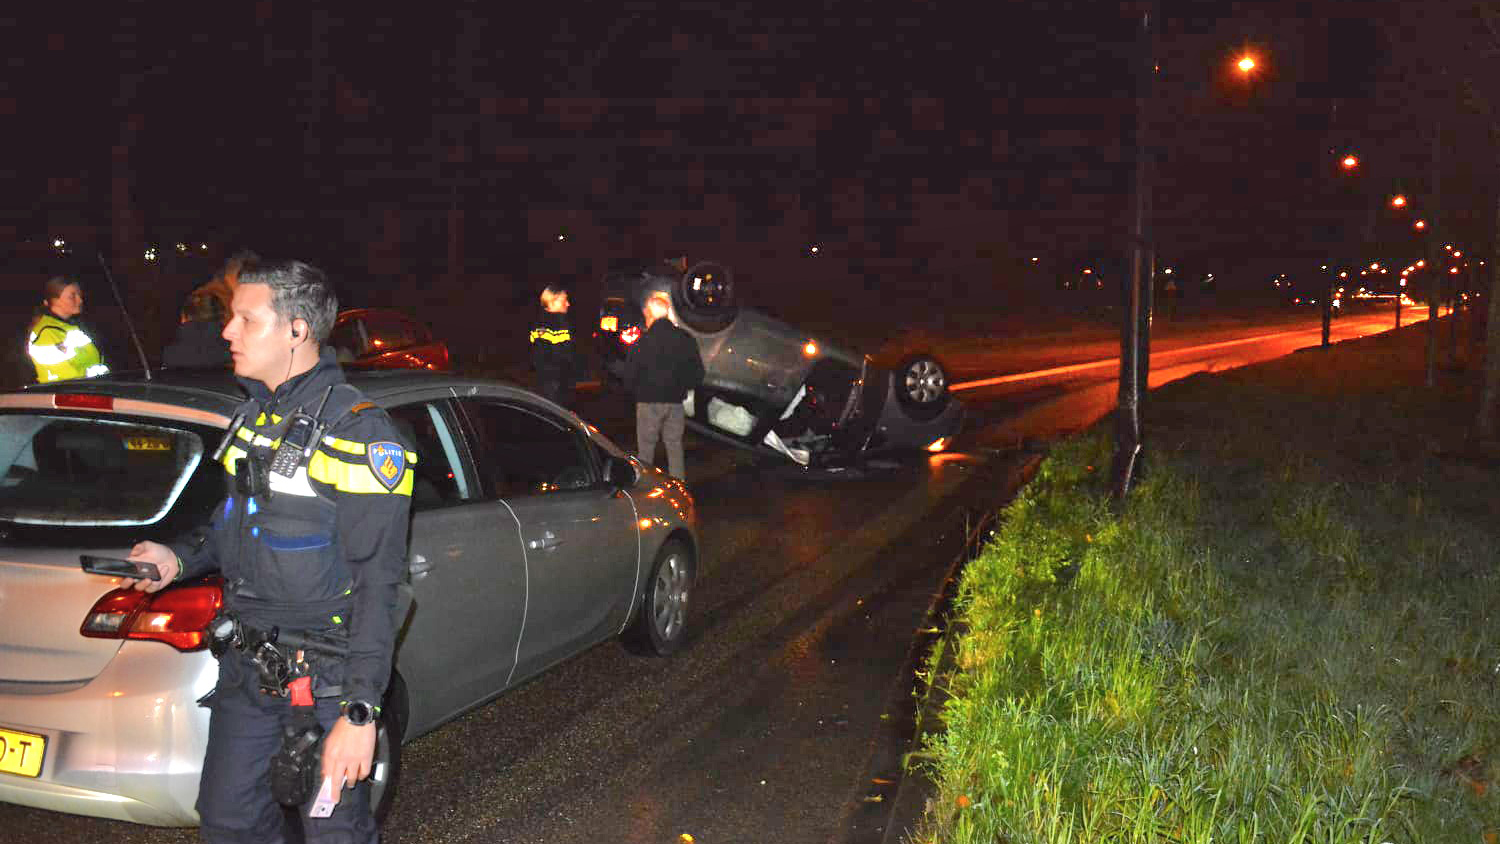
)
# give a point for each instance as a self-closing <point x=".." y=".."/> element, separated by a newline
<point x="533" y="538"/>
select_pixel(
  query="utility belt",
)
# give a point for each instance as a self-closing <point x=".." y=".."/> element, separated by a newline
<point x="285" y="662"/>
<point x="280" y="657"/>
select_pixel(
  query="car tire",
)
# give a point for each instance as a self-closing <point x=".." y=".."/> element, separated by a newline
<point x="660" y="624"/>
<point x="921" y="385"/>
<point x="385" y="775"/>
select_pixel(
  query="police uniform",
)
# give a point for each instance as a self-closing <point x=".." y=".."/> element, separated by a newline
<point x="554" y="355"/>
<point x="60" y="349"/>
<point x="317" y="553"/>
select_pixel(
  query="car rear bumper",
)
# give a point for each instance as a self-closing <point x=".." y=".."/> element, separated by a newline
<point x="126" y="745"/>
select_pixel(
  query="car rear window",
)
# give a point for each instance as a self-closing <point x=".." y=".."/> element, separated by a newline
<point x="72" y="471"/>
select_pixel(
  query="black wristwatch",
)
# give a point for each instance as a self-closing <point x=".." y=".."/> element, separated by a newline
<point x="359" y="712"/>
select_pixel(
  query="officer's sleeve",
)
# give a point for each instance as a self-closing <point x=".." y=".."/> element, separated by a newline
<point x="198" y="551"/>
<point x="374" y="515"/>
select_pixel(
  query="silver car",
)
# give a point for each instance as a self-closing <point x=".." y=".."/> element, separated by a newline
<point x="533" y="538"/>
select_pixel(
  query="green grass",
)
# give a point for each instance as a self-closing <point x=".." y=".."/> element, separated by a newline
<point x="1251" y="651"/>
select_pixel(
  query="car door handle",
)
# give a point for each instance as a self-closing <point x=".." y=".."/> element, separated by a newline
<point x="418" y="566"/>
<point x="547" y="541"/>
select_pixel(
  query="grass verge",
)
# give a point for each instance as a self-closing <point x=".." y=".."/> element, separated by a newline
<point x="1253" y="650"/>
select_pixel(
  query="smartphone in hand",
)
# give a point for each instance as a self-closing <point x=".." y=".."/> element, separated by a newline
<point x="117" y="567"/>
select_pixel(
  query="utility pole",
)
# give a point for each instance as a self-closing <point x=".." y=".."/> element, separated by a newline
<point x="1135" y="334"/>
<point x="1434" y="267"/>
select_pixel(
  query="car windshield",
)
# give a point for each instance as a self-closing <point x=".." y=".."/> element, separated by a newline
<point x="72" y="471"/>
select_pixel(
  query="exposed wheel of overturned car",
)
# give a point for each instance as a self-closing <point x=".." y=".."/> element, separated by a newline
<point x="922" y="386"/>
<point x="705" y="297"/>
<point x="660" y="624"/>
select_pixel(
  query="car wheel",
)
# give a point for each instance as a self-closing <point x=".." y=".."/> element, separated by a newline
<point x="386" y="771"/>
<point x="922" y="386"/>
<point x="660" y="624"/>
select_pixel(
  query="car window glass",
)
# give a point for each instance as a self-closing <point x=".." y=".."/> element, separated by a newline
<point x="438" y="478"/>
<point x="347" y="340"/>
<point x="389" y="332"/>
<point x="81" y="472"/>
<point x="527" y="453"/>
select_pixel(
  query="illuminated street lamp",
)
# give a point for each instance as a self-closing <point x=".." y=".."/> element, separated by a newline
<point x="1398" y="201"/>
<point x="1375" y="265"/>
<point x="1420" y="224"/>
<point x="1421" y="264"/>
<point x="1350" y="162"/>
<point x="1245" y="64"/>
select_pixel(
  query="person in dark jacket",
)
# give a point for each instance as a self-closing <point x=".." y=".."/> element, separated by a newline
<point x="554" y="352"/>
<point x="662" y="367"/>
<point x="199" y="342"/>
<point x="311" y="543"/>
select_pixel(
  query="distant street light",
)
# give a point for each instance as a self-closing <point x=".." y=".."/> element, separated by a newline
<point x="1350" y="162"/>
<point x="1398" y="201"/>
<point x="1420" y="224"/>
<point x="1245" y="64"/>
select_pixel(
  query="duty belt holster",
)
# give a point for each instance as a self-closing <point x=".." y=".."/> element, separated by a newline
<point x="295" y="773"/>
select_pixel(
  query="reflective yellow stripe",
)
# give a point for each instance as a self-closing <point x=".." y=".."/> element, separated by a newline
<point x="352" y="477"/>
<point x="234" y="453"/>
<point x="347" y="446"/>
<point x="551" y="335"/>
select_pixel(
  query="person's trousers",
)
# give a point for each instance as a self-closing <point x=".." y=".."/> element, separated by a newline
<point x="664" y="421"/>
<point x="560" y="392"/>
<point x="234" y="795"/>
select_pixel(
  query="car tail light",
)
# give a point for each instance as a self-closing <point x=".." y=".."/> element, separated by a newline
<point x="630" y="334"/>
<point x="84" y="401"/>
<point x="177" y="616"/>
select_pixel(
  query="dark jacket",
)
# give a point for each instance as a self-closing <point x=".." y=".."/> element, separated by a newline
<point x="325" y="550"/>
<point x="554" y="352"/>
<point x="197" y="344"/>
<point x="663" y="365"/>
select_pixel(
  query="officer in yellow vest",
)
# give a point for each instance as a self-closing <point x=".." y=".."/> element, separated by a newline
<point x="56" y="344"/>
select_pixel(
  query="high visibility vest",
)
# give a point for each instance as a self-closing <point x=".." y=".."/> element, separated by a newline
<point x="60" y="350"/>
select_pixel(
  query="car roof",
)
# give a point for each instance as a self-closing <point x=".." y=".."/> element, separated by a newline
<point x="217" y="390"/>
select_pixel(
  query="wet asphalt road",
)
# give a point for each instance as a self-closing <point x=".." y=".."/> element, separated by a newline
<point x="769" y="726"/>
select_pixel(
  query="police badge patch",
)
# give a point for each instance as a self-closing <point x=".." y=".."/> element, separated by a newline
<point x="387" y="461"/>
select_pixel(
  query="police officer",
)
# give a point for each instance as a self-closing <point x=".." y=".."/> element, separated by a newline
<point x="311" y="546"/>
<point x="58" y="346"/>
<point x="554" y="353"/>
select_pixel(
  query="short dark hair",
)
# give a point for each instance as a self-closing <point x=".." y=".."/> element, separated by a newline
<point x="55" y="286"/>
<point x="298" y="291"/>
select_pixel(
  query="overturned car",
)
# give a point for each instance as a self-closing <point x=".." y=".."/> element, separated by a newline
<point x="770" y="387"/>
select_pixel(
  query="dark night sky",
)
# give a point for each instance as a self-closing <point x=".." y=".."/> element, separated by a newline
<point x="942" y="137"/>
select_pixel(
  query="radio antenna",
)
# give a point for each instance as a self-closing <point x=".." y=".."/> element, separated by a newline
<point x="129" y="325"/>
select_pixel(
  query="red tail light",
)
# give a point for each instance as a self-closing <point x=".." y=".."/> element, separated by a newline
<point x="85" y="401"/>
<point x="630" y="334"/>
<point x="176" y="616"/>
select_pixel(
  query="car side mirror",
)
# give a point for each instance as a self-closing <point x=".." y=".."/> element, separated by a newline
<point x="620" y="472"/>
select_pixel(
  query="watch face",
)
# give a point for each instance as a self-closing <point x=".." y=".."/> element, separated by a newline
<point x="359" y="713"/>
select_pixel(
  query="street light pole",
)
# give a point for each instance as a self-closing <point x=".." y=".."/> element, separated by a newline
<point x="1135" y="334"/>
<point x="1434" y="265"/>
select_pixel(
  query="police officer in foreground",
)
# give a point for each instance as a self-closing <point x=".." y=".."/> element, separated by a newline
<point x="311" y="543"/>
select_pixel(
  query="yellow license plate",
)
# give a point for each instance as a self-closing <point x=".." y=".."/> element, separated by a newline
<point x="609" y="323"/>
<point x="21" y="753"/>
<point x="148" y="444"/>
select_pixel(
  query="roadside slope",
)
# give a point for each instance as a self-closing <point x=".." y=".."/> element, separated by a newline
<point x="1286" y="634"/>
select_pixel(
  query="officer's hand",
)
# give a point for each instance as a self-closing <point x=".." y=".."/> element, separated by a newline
<point x="349" y="752"/>
<point x="162" y="557"/>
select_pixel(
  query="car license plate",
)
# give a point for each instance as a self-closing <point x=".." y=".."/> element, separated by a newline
<point x="148" y="444"/>
<point x="609" y="323"/>
<point x="21" y="753"/>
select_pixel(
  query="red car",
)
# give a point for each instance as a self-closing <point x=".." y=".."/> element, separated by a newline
<point x="378" y="338"/>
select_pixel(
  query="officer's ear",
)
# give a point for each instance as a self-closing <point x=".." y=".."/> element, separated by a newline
<point x="299" y="329"/>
